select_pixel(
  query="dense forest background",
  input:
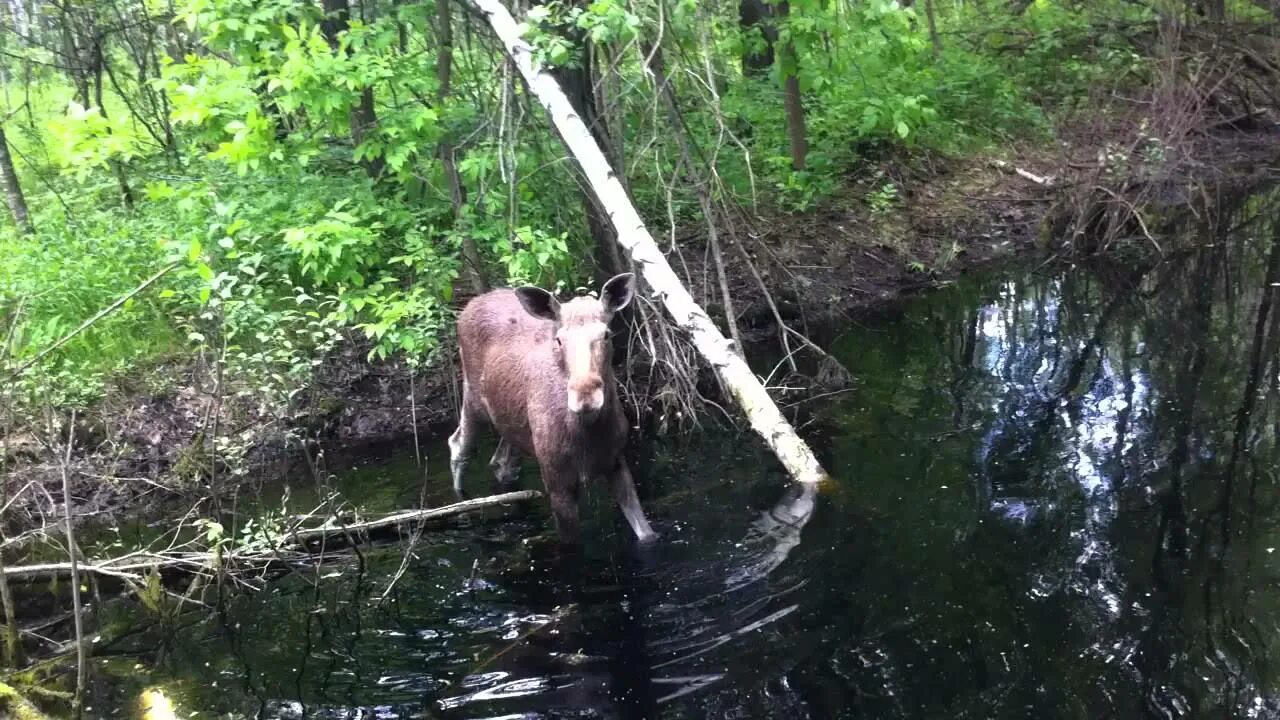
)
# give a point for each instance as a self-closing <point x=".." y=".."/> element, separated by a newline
<point x="312" y="174"/>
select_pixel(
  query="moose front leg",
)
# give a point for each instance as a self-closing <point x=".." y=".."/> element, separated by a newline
<point x="624" y="493"/>
<point x="461" y="444"/>
<point x="561" y="483"/>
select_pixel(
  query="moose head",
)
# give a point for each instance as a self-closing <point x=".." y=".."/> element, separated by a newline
<point x="580" y="337"/>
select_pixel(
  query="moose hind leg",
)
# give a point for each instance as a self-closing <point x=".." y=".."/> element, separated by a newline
<point x="505" y="464"/>
<point x="461" y="444"/>
<point x="624" y="493"/>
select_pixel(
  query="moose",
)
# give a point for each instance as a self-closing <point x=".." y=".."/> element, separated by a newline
<point x="539" y="372"/>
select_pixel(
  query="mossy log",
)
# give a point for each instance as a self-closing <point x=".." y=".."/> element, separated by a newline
<point x="14" y="704"/>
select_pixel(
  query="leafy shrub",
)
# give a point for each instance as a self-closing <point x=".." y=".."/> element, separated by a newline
<point x="870" y="78"/>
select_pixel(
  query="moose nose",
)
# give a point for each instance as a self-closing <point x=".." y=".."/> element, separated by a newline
<point x="587" y="398"/>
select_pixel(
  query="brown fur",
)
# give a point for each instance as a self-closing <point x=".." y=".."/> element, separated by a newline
<point x="521" y="381"/>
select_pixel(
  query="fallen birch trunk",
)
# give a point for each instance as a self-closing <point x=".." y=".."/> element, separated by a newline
<point x="132" y="565"/>
<point x="761" y="412"/>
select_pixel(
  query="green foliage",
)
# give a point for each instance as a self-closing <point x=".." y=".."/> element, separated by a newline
<point x="535" y="255"/>
<point x="262" y="533"/>
<point x="284" y="249"/>
<point x="550" y="29"/>
<point x="800" y="190"/>
<point x="883" y="198"/>
<point x="51" y="284"/>
<point x="250" y="152"/>
<point x="1072" y="49"/>
<point x="83" y="140"/>
<point x="288" y="271"/>
<point x="871" y="79"/>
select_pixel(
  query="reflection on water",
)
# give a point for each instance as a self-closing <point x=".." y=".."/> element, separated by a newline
<point x="1056" y="497"/>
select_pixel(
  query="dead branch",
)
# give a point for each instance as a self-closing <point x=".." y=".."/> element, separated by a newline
<point x="73" y="552"/>
<point x="300" y="537"/>
<point x="1037" y="179"/>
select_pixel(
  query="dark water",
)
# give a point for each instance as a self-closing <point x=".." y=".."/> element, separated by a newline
<point x="1055" y="497"/>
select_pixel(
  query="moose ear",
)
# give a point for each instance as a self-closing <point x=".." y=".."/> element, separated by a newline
<point x="617" y="293"/>
<point x="539" y="303"/>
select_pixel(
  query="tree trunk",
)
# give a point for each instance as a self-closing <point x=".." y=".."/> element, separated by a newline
<point x="457" y="193"/>
<point x="933" y="28"/>
<point x="579" y="88"/>
<point x="363" y="117"/>
<point x="402" y="30"/>
<point x="13" y="189"/>
<point x="761" y="412"/>
<point x="364" y="120"/>
<point x="754" y="15"/>
<point x="796" y="134"/>
<point x="71" y="56"/>
<point x="117" y="167"/>
<point x="337" y="18"/>
<point x="13" y="655"/>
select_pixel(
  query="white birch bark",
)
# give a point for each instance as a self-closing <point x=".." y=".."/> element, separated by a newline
<point x="634" y="237"/>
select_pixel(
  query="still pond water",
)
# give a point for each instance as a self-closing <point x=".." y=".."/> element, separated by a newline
<point x="1055" y="496"/>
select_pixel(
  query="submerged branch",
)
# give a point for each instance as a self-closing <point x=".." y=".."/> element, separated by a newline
<point x="14" y="704"/>
<point x="133" y="565"/>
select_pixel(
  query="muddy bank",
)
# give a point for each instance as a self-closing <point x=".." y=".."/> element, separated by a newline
<point x="849" y="257"/>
